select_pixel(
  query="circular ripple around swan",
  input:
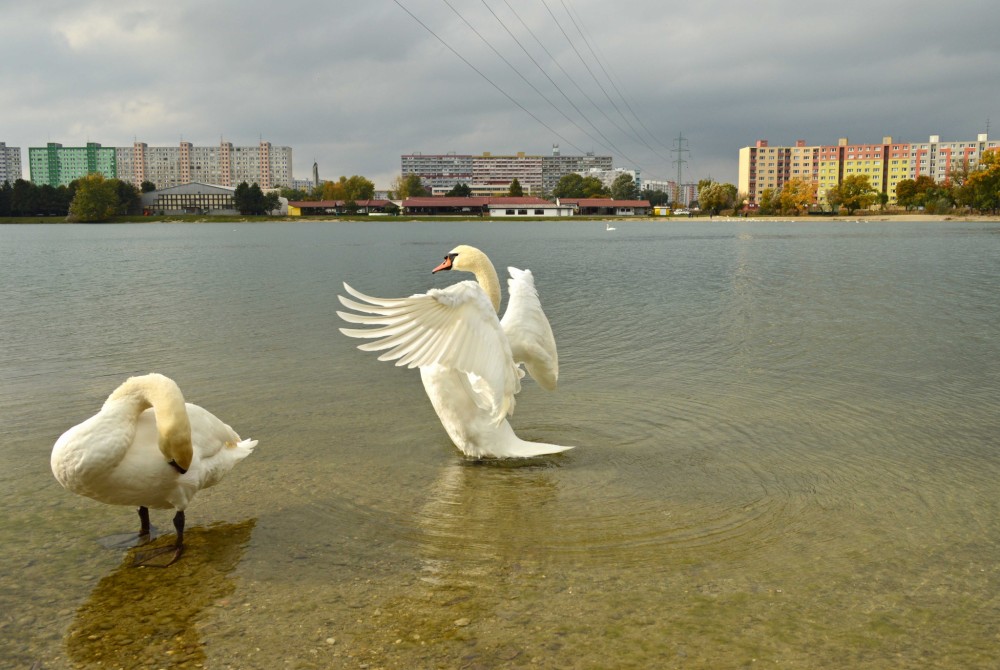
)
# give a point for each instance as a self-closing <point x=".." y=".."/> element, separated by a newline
<point x="633" y="493"/>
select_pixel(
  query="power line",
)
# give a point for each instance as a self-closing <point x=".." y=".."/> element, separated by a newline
<point x="601" y="86"/>
<point x="517" y="72"/>
<point x="612" y="80"/>
<point x="480" y="73"/>
<point x="612" y="146"/>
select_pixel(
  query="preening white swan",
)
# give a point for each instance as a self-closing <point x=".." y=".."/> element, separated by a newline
<point x="149" y="448"/>
<point x="468" y="358"/>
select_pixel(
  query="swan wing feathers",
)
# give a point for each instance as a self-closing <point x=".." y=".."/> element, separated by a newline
<point x="528" y="330"/>
<point x="453" y="327"/>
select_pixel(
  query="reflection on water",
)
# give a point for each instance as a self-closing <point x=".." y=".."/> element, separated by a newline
<point x="139" y="617"/>
<point x="486" y="515"/>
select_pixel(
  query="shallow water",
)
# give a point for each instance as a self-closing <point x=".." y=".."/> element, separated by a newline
<point x="788" y="451"/>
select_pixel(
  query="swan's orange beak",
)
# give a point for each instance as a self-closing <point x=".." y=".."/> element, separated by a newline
<point x="446" y="265"/>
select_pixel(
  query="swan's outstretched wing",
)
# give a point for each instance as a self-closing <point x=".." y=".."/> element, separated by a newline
<point x="528" y="331"/>
<point x="454" y="327"/>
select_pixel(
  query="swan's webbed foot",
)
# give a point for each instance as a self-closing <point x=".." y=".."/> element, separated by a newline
<point x="145" y="535"/>
<point x="161" y="557"/>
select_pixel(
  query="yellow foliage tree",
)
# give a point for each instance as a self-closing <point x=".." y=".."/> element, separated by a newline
<point x="796" y="196"/>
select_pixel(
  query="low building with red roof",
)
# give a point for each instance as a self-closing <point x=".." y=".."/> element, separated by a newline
<point x="495" y="206"/>
<point x="607" y="206"/>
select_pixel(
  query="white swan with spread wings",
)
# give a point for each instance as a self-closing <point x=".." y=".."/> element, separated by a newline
<point x="469" y="359"/>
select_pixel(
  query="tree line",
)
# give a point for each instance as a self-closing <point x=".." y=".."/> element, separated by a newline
<point x="92" y="195"/>
<point x="355" y="188"/>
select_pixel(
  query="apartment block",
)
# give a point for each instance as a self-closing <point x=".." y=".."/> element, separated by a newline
<point x="10" y="164"/>
<point x="224" y="165"/>
<point x="56" y="165"/>
<point x="440" y="171"/>
<point x="490" y="172"/>
<point x="763" y="167"/>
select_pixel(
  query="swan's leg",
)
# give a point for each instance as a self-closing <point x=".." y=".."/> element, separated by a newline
<point x="125" y="540"/>
<point x="143" y="525"/>
<point x="161" y="557"/>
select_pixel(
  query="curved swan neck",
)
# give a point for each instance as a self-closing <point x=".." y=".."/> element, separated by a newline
<point x="470" y="259"/>
<point x="172" y="423"/>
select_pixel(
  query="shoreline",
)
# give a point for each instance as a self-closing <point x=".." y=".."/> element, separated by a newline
<point x="868" y="218"/>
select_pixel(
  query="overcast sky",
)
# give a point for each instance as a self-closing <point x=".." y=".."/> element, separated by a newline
<point x="353" y="85"/>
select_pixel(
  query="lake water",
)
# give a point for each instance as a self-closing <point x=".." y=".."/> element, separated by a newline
<point x="788" y="451"/>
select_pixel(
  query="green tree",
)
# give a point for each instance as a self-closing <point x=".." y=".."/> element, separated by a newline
<point x="129" y="198"/>
<point x="515" y="190"/>
<point x="249" y="199"/>
<point x="623" y="187"/>
<point x="594" y="188"/>
<point x="655" y="197"/>
<point x="294" y="194"/>
<point x="271" y="202"/>
<point x="770" y="202"/>
<point x="147" y="187"/>
<point x="6" y="194"/>
<point x="714" y="197"/>
<point x="569" y="186"/>
<point x="95" y="200"/>
<point x="459" y="191"/>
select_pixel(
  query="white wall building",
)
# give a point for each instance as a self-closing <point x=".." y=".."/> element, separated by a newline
<point x="10" y="164"/>
<point x="608" y="177"/>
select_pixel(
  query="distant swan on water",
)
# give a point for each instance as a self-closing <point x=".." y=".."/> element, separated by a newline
<point x="147" y="447"/>
<point x="468" y="357"/>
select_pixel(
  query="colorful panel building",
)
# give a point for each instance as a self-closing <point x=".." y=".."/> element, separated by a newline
<point x="885" y="164"/>
<point x="225" y="165"/>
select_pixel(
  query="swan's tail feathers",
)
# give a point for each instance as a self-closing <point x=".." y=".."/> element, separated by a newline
<point x="525" y="449"/>
<point x="244" y="448"/>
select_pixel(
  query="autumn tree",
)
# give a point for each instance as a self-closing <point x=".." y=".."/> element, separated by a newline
<point x="348" y="189"/>
<point x="853" y="193"/>
<point x="981" y="189"/>
<point x="408" y="186"/>
<point x="95" y="200"/>
<point x="796" y="196"/>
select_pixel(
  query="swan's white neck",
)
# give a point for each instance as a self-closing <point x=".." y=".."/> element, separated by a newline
<point x="172" y="423"/>
<point x="473" y="260"/>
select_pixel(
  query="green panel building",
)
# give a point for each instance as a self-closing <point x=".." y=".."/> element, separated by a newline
<point x="57" y="165"/>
